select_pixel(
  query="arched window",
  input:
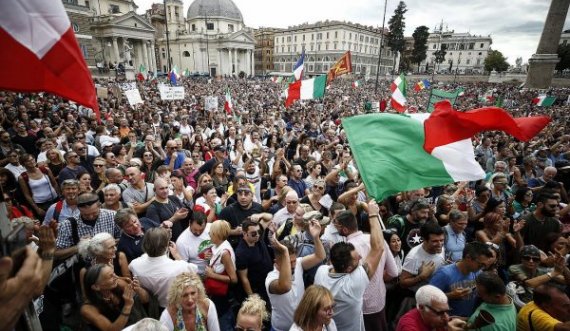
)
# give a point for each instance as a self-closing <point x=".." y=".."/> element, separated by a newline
<point x="186" y="54"/>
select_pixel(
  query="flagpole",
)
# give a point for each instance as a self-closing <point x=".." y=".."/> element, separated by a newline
<point x="167" y="38"/>
<point x="380" y="48"/>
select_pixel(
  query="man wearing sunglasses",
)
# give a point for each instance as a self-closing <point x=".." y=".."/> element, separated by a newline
<point x="431" y="312"/>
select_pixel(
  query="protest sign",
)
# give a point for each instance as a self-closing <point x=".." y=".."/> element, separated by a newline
<point x="102" y="92"/>
<point x="134" y="97"/>
<point x="171" y="92"/>
<point x="211" y="103"/>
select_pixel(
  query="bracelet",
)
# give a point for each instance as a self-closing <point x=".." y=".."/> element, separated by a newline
<point x="125" y="314"/>
<point x="47" y="256"/>
<point x="373" y="215"/>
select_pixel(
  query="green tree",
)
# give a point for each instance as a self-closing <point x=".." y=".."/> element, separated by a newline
<point x="495" y="60"/>
<point x="419" y="53"/>
<point x="564" y="55"/>
<point x="397" y="25"/>
<point x="440" y="55"/>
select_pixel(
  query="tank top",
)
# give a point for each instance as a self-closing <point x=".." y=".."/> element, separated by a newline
<point x="41" y="189"/>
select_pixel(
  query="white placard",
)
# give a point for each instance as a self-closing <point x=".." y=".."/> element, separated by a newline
<point x="171" y="92"/>
<point x="326" y="201"/>
<point x="133" y="96"/>
<point x="211" y="103"/>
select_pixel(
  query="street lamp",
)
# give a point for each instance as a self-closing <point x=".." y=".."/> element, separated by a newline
<point x="457" y="67"/>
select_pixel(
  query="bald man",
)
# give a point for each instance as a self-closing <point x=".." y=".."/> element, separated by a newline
<point x="138" y="194"/>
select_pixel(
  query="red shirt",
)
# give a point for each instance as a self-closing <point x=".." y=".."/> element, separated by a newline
<point x="412" y="321"/>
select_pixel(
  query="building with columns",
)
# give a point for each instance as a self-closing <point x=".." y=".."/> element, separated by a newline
<point x="109" y="32"/>
<point x="466" y="53"/>
<point x="212" y="39"/>
<point x="325" y="42"/>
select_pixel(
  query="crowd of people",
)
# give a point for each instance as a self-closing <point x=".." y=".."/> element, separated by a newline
<point x="166" y="215"/>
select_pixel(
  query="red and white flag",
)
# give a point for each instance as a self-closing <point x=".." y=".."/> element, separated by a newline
<point x="39" y="52"/>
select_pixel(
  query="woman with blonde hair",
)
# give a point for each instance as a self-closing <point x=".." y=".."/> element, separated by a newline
<point x="54" y="161"/>
<point x="315" y="311"/>
<point x="251" y="315"/>
<point x="188" y="306"/>
<point x="221" y="270"/>
<point x="317" y="191"/>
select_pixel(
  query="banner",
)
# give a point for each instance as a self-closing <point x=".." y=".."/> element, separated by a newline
<point x="211" y="103"/>
<point x="134" y="97"/>
<point x="341" y="67"/>
<point x="171" y="92"/>
<point x="439" y="95"/>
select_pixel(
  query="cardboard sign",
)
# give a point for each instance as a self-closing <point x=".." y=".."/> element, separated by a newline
<point x="134" y="97"/>
<point x="171" y="92"/>
<point x="102" y="92"/>
<point x="211" y="103"/>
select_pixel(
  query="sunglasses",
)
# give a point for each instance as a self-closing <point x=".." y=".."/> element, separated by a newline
<point x="531" y="258"/>
<point x="98" y="165"/>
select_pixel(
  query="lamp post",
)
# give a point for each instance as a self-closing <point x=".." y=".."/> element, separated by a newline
<point x="167" y="38"/>
<point x="380" y="48"/>
<point x="457" y="67"/>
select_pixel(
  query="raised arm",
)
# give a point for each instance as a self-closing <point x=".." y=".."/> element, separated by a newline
<point x="376" y="240"/>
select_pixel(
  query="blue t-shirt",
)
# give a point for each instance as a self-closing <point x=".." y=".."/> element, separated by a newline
<point x="178" y="162"/>
<point x="448" y="278"/>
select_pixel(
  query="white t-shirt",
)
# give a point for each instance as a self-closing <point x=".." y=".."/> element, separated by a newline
<point x="216" y="260"/>
<point x="414" y="259"/>
<point x="189" y="246"/>
<point x="157" y="273"/>
<point x="330" y="327"/>
<point x="283" y="305"/>
<point x="211" y="320"/>
<point x="347" y="290"/>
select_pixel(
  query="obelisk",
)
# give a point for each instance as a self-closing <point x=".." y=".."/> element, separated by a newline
<point x="542" y="64"/>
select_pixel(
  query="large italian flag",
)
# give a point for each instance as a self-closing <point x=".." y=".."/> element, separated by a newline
<point x="307" y="89"/>
<point x="544" y="100"/>
<point x="397" y="152"/>
<point x="39" y="52"/>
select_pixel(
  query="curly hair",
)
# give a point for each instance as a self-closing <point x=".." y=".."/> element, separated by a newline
<point x="92" y="247"/>
<point x="181" y="283"/>
<point x="254" y="306"/>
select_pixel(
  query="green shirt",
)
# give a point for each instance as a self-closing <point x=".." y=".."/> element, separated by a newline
<point x="505" y="316"/>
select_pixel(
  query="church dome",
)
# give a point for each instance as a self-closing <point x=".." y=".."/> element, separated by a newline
<point x="214" y="8"/>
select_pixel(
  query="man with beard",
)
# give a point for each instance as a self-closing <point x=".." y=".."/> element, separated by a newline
<point x="423" y="260"/>
<point x="72" y="169"/>
<point x="238" y="211"/>
<point x="284" y="284"/>
<point x="542" y="221"/>
<point x="66" y="208"/>
<point x="408" y="227"/>
<point x="194" y="243"/>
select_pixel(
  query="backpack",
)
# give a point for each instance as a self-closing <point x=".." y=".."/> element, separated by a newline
<point x="57" y="211"/>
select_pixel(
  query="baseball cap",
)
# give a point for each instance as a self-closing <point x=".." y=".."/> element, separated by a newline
<point x="530" y="250"/>
<point x="317" y="216"/>
<point x="219" y="148"/>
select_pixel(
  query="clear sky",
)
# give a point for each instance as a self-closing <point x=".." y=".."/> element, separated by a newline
<point x="515" y="25"/>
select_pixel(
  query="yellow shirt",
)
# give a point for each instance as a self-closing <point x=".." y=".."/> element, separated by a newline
<point x="541" y="320"/>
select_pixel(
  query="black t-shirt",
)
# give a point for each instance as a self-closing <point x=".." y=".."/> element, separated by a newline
<point x="159" y="212"/>
<point x="258" y="263"/>
<point x="235" y="215"/>
<point x="130" y="245"/>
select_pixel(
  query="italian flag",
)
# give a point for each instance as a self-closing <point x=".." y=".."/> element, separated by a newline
<point x="356" y="84"/>
<point x="40" y="53"/>
<point x="544" y="101"/>
<point x="228" y="104"/>
<point x="407" y="152"/>
<point x="307" y="89"/>
<point x="398" y="88"/>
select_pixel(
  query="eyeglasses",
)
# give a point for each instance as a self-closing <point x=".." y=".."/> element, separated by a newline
<point x="98" y="165"/>
<point x="81" y="148"/>
<point x="531" y="258"/>
<point x="438" y="312"/>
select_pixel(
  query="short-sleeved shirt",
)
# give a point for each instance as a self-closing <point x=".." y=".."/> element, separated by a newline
<point x="505" y="316"/>
<point x="283" y="305"/>
<point x="131" y="194"/>
<point x="348" y="290"/>
<point x="448" y="278"/>
<point x="416" y="257"/>
<point x="517" y="273"/>
<point x="257" y="261"/>
<point x="130" y="245"/>
<point x="540" y="319"/>
<point x="454" y="244"/>
<point x="191" y="248"/>
<point x="105" y="223"/>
